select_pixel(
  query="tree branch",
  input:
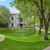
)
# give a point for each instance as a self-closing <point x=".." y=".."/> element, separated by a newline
<point x="49" y="17"/>
<point x="36" y="3"/>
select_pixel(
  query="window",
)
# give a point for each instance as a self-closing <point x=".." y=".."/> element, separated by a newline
<point x="12" y="25"/>
<point x="12" y="18"/>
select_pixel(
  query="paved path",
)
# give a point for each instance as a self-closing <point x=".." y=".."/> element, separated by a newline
<point x="48" y="48"/>
<point x="41" y="30"/>
<point x="2" y="37"/>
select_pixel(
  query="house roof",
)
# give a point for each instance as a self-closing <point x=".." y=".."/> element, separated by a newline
<point x="13" y="13"/>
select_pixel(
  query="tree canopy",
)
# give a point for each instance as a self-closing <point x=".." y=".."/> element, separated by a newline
<point x="26" y="7"/>
<point x="29" y="8"/>
<point x="4" y="15"/>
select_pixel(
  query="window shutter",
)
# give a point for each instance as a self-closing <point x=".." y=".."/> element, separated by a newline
<point x="10" y="18"/>
<point x="14" y="25"/>
<point x="10" y="25"/>
<point x="14" y="18"/>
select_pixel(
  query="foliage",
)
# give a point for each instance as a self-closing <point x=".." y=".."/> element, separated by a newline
<point x="32" y="20"/>
<point x="4" y="15"/>
<point x="36" y="8"/>
<point x="25" y="7"/>
<point x="30" y="8"/>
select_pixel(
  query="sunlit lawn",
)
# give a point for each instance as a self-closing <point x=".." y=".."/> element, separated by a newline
<point x="22" y="39"/>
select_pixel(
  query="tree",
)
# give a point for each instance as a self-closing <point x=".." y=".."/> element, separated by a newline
<point x="4" y="16"/>
<point x="28" y="9"/>
<point x="25" y="9"/>
<point x="30" y="6"/>
<point x="44" y="11"/>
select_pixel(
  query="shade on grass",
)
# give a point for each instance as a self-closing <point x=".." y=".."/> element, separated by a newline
<point x="9" y="44"/>
<point x="17" y="32"/>
<point x="29" y="42"/>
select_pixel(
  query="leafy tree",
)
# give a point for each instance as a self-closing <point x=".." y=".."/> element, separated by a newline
<point x="25" y="9"/>
<point x="44" y="9"/>
<point x="4" y="16"/>
<point x="32" y="7"/>
<point x="28" y="10"/>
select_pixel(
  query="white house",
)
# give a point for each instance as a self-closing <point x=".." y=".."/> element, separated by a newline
<point x="16" y="21"/>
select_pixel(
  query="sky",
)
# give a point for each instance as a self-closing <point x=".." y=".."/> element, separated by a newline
<point x="6" y="3"/>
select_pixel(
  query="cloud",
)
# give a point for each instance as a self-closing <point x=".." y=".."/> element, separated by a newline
<point x="2" y="0"/>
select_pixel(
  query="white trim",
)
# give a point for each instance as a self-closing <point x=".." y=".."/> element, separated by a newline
<point x="10" y="25"/>
<point x="14" y="18"/>
<point x="13" y="25"/>
<point x="10" y="18"/>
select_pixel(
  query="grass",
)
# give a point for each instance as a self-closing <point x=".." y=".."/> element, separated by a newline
<point x="22" y="39"/>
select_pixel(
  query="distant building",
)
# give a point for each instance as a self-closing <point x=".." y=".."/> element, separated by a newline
<point x="16" y="21"/>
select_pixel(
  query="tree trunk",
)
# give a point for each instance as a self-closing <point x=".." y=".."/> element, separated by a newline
<point x="34" y="28"/>
<point x="46" y="32"/>
<point x="45" y="21"/>
<point x="40" y="29"/>
<point x="41" y="21"/>
<point x="34" y="24"/>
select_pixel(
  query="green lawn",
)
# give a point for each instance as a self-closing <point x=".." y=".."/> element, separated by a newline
<point x="22" y="39"/>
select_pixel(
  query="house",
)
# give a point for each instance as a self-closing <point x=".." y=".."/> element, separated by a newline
<point x="16" y="21"/>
